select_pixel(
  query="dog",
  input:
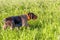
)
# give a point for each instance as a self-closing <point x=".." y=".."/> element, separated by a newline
<point x="18" y="21"/>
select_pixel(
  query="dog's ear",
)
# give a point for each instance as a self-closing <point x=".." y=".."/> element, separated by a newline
<point x="30" y="14"/>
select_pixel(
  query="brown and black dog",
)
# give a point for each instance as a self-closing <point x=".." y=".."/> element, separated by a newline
<point x="18" y="21"/>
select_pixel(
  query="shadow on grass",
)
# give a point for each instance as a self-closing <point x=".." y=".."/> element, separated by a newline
<point x="36" y="25"/>
<point x="39" y="26"/>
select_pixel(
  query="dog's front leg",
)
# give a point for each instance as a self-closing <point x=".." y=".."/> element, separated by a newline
<point x="24" y="23"/>
<point x="27" y="25"/>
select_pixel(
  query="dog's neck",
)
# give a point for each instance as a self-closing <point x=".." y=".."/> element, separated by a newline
<point x="28" y="17"/>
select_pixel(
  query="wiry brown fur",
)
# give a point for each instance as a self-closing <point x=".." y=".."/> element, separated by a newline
<point x="12" y="21"/>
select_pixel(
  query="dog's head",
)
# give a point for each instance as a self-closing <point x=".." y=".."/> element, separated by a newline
<point x="32" y="16"/>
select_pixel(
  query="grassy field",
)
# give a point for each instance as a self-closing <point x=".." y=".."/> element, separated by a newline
<point x="45" y="27"/>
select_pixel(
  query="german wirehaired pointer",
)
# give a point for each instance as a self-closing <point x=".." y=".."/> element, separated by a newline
<point x="18" y="21"/>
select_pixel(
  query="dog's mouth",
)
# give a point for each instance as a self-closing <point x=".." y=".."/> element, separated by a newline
<point x="35" y="17"/>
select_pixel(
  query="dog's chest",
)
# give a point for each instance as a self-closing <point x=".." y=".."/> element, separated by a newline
<point x="23" y="18"/>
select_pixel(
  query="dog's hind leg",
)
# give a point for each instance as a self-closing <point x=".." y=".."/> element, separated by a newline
<point x="12" y="25"/>
<point x="5" y="26"/>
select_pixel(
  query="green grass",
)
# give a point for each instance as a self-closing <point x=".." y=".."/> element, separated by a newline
<point x="45" y="27"/>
